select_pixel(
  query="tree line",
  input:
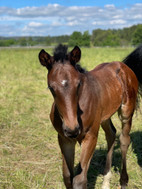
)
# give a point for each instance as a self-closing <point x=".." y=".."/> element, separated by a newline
<point x="111" y="37"/>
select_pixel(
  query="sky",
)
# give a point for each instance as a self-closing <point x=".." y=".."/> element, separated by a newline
<point x="63" y="17"/>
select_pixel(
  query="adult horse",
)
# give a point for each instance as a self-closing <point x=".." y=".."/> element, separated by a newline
<point x="85" y="100"/>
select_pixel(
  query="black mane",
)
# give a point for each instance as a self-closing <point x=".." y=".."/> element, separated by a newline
<point x="61" y="54"/>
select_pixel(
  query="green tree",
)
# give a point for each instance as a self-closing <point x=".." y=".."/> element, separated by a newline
<point x="98" y="37"/>
<point x="113" y="37"/>
<point x="137" y="36"/>
<point x="7" y="42"/>
<point x="75" y="39"/>
<point x="111" y="40"/>
<point x="30" y="41"/>
<point x="48" y="41"/>
<point x="23" y="41"/>
<point x="2" y="43"/>
<point x="86" y="39"/>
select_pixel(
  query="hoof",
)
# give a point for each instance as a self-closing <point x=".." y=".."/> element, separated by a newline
<point x="123" y="187"/>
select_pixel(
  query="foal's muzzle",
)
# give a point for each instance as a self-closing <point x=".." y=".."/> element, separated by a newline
<point x="72" y="133"/>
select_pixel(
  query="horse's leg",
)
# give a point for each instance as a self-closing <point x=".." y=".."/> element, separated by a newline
<point x="68" y="149"/>
<point x="87" y="148"/>
<point x="110" y="133"/>
<point x="126" y="119"/>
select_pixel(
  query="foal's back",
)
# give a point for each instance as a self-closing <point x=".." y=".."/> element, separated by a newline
<point x="118" y="85"/>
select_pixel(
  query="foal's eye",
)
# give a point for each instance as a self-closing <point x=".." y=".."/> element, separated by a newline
<point x="52" y="90"/>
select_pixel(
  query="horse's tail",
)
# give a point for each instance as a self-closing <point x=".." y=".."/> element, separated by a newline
<point x="134" y="61"/>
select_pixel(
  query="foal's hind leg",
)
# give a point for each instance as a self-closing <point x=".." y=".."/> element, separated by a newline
<point x="110" y="133"/>
<point x="126" y="114"/>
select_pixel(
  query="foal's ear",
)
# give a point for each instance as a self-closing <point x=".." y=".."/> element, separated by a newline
<point x="45" y="59"/>
<point x="75" y="55"/>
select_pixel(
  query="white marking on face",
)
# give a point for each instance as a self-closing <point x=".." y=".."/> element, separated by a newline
<point x="64" y="82"/>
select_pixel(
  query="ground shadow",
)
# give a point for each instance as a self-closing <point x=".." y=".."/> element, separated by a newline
<point x="136" y="139"/>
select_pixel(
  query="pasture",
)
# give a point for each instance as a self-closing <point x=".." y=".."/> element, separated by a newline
<point x="29" y="153"/>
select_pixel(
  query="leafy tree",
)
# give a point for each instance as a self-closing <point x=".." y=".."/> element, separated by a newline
<point x="75" y="39"/>
<point x="48" y="41"/>
<point x="115" y="37"/>
<point x="30" y="41"/>
<point x="2" y="43"/>
<point x="7" y="42"/>
<point x="137" y="36"/>
<point x="111" y="40"/>
<point x="10" y="42"/>
<point x="86" y="39"/>
<point x="23" y="41"/>
<point x="98" y="37"/>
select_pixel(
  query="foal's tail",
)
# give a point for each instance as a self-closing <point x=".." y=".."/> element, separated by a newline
<point x="134" y="61"/>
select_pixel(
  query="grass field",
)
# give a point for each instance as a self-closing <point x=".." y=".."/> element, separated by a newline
<point x="29" y="153"/>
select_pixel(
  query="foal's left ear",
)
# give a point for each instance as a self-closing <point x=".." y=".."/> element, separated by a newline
<point x="75" y="55"/>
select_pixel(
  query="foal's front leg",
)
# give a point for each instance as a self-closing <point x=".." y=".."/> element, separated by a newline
<point x="68" y="149"/>
<point x="88" y="145"/>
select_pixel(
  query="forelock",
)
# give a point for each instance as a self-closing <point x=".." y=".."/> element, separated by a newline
<point x="60" y="53"/>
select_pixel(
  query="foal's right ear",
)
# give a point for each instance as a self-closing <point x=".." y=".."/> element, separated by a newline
<point x="45" y="59"/>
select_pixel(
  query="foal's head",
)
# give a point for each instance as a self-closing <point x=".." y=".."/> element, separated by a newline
<point x="64" y="81"/>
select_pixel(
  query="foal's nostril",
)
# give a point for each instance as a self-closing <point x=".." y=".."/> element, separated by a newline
<point x="72" y="133"/>
<point x="65" y="131"/>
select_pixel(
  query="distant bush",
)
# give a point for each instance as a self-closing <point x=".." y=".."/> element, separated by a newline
<point x="137" y="36"/>
<point x="119" y="37"/>
<point x="79" y="39"/>
<point x="7" y="43"/>
<point x="105" y="38"/>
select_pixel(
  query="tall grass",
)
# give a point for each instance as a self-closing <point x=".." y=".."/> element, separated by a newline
<point x="29" y="153"/>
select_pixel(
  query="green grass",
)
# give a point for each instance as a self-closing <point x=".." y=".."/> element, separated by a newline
<point x="29" y="153"/>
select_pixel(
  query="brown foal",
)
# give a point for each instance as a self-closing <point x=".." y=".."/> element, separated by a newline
<point x="82" y="102"/>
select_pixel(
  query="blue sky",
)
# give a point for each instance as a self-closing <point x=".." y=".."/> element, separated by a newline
<point x="101" y="3"/>
<point x="58" y="17"/>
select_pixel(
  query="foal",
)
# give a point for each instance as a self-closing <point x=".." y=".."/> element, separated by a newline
<point x="82" y="102"/>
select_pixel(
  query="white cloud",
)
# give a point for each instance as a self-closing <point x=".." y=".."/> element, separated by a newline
<point x="73" y="23"/>
<point x="118" y="21"/>
<point x="55" y="19"/>
<point x="35" y="24"/>
<point x="56" y="23"/>
<point x="138" y="16"/>
<point x="110" y="6"/>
